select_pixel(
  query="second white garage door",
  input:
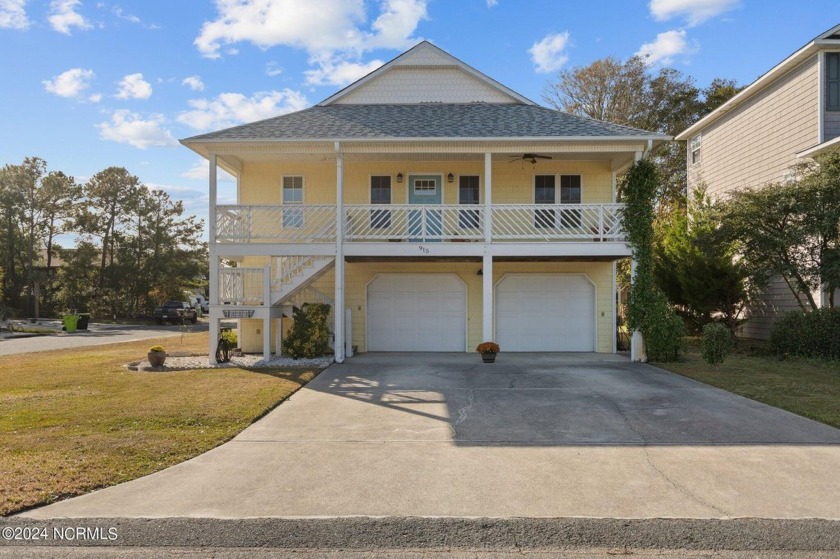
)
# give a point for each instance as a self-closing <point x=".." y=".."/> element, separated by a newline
<point x="424" y="312"/>
<point x="551" y="312"/>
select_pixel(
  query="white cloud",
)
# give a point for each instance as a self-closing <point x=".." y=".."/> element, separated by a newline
<point x="69" y="84"/>
<point x="695" y="12"/>
<point x="229" y="109"/>
<point x="13" y="14"/>
<point x="491" y="3"/>
<point x="63" y="16"/>
<point x="273" y="69"/>
<point x="118" y="11"/>
<point x="126" y="127"/>
<point x="332" y="32"/>
<point x="95" y="98"/>
<point x="133" y="86"/>
<point x="665" y="47"/>
<point x="341" y="73"/>
<point x="201" y="172"/>
<point x="194" y="83"/>
<point x="548" y="54"/>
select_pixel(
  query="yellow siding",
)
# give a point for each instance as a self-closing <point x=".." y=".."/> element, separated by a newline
<point x="512" y="182"/>
<point x="359" y="275"/>
<point x="756" y="143"/>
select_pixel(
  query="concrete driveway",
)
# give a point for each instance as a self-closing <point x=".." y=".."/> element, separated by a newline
<point x="532" y="435"/>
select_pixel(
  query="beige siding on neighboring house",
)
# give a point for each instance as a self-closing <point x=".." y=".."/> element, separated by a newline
<point x="756" y="142"/>
<point x="776" y="300"/>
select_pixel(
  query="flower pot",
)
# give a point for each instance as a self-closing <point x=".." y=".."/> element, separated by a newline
<point x="156" y="358"/>
<point x="488" y="357"/>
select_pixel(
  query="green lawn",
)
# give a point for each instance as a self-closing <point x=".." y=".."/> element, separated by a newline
<point x="76" y="420"/>
<point x="807" y="387"/>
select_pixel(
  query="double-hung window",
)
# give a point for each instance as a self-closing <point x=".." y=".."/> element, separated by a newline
<point x="292" y="196"/>
<point x="468" y="194"/>
<point x="570" y="194"/>
<point x="380" y="193"/>
<point x="544" y="193"/>
<point x="832" y="81"/>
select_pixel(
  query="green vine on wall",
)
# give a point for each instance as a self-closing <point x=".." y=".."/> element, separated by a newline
<point x="648" y="310"/>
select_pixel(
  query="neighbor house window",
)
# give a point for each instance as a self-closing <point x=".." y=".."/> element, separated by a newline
<point x="380" y="193"/>
<point x="696" y="142"/>
<point x="544" y="193"/>
<point x="832" y="81"/>
<point x="468" y="194"/>
<point x="570" y="194"/>
<point x="292" y="196"/>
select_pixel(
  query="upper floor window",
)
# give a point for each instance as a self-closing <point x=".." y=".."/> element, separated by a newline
<point x="832" y="81"/>
<point x="380" y="193"/>
<point x="292" y="195"/>
<point x="468" y="194"/>
<point x="694" y="148"/>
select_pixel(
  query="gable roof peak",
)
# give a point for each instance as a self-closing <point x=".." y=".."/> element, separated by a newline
<point x="427" y="54"/>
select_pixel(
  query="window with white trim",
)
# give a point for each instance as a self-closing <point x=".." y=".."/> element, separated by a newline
<point x="832" y="81"/>
<point x="468" y="193"/>
<point x="380" y="193"/>
<point x="694" y="148"/>
<point x="292" y="196"/>
<point x="425" y="187"/>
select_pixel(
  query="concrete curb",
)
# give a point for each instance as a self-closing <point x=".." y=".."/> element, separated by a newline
<point x="365" y="533"/>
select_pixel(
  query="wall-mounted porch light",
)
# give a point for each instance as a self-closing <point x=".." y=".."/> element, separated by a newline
<point x="399" y="177"/>
<point x="450" y="177"/>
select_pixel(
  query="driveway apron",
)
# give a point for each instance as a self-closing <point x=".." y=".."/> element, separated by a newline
<point x="532" y="435"/>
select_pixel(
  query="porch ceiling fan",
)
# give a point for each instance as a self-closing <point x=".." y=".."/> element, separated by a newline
<point x="532" y="157"/>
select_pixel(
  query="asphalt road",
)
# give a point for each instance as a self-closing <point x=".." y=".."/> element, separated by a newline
<point x="98" y="334"/>
<point x="410" y="538"/>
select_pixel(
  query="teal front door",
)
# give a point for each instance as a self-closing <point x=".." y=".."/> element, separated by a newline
<point x="426" y="224"/>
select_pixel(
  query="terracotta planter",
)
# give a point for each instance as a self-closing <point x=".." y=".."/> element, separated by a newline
<point x="156" y="358"/>
<point x="488" y="357"/>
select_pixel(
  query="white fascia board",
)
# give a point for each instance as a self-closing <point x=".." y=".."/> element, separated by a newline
<point x="436" y="139"/>
<point x="819" y="148"/>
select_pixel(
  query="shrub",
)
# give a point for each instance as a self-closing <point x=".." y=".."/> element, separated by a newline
<point x="488" y="347"/>
<point x="309" y="336"/>
<point x="717" y="343"/>
<point x="157" y="349"/>
<point x="231" y="338"/>
<point x="663" y="335"/>
<point x="812" y="334"/>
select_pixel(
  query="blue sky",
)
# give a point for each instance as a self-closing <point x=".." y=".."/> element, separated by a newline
<point x="90" y="84"/>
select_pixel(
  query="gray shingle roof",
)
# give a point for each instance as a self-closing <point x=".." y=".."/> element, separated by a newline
<point x="433" y="120"/>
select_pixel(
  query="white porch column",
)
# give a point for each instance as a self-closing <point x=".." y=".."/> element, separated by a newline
<point x="266" y="338"/>
<point x="338" y="312"/>
<point x="488" y="200"/>
<point x="637" y="341"/>
<point x="214" y="333"/>
<point x="487" y="299"/>
<point x="614" y="310"/>
<point x="213" y="277"/>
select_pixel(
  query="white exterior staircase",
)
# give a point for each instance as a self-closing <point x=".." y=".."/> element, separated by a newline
<point x="292" y="274"/>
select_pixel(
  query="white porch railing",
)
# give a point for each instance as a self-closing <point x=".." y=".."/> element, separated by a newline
<point x="431" y="222"/>
<point x="289" y="223"/>
<point x="558" y="222"/>
<point x="241" y="286"/>
<point x="421" y="222"/>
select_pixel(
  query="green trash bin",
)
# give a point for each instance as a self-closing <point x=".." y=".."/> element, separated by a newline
<point x="84" y="318"/>
<point x="70" y="322"/>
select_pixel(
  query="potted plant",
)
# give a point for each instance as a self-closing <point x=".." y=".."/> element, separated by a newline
<point x="157" y="356"/>
<point x="488" y="351"/>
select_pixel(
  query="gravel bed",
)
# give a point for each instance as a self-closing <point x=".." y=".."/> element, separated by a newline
<point x="246" y="361"/>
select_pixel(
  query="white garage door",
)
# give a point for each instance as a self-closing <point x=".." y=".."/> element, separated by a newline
<point x="416" y="313"/>
<point x="552" y="312"/>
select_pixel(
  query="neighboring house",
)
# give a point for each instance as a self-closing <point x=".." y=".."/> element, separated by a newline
<point x="791" y="112"/>
<point x="434" y="206"/>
